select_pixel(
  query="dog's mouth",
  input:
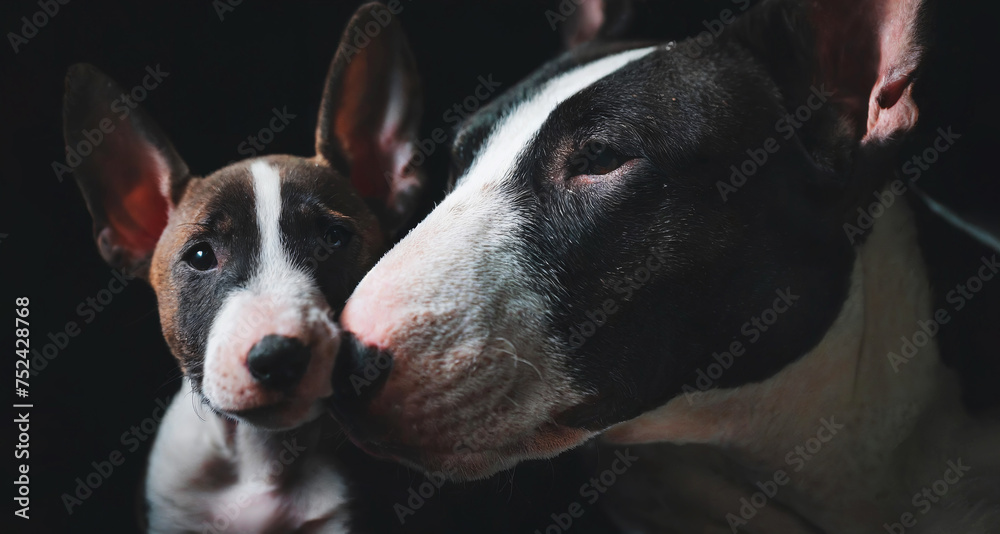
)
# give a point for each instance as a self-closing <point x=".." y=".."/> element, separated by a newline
<point x="281" y="415"/>
<point x="466" y="457"/>
<point x="467" y="463"/>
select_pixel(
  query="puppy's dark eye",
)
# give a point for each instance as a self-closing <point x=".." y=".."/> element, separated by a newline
<point x="201" y="257"/>
<point x="337" y="236"/>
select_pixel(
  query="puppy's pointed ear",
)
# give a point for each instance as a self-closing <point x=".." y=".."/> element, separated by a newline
<point x="866" y="52"/>
<point x="129" y="173"/>
<point x="370" y="115"/>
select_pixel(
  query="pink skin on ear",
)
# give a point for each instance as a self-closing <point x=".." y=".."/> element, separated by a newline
<point x="891" y="109"/>
<point x="588" y="22"/>
<point x="873" y="47"/>
<point x="870" y="49"/>
<point x="136" y="201"/>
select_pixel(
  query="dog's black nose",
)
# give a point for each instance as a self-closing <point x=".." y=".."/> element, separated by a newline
<point x="278" y="362"/>
<point x="360" y="370"/>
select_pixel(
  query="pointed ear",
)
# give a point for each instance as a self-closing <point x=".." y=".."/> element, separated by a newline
<point x="594" y="19"/>
<point x="866" y="52"/>
<point x="370" y="114"/>
<point x="882" y="68"/>
<point x="129" y="173"/>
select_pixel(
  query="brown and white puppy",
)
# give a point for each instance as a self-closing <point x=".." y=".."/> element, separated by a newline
<point x="634" y="216"/>
<point x="250" y="265"/>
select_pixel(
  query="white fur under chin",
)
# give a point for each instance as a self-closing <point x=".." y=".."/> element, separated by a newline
<point x="205" y="475"/>
<point x="900" y="429"/>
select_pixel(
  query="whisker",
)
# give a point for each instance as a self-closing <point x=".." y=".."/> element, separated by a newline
<point x="197" y="406"/>
<point x="517" y="359"/>
<point x="529" y="364"/>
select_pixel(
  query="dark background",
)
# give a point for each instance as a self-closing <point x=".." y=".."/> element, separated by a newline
<point x="225" y="77"/>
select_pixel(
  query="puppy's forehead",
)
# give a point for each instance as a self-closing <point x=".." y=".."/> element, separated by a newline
<point x="234" y="185"/>
<point x="227" y="205"/>
<point x="227" y="200"/>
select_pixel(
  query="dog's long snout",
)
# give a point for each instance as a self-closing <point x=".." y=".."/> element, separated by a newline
<point x="278" y="362"/>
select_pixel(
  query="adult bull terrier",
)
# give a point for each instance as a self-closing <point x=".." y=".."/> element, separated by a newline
<point x="658" y="243"/>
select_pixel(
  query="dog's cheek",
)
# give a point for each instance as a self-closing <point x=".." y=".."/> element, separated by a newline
<point x="169" y="306"/>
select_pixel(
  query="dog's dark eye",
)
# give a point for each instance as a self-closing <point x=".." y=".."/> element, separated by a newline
<point x="201" y="257"/>
<point x="596" y="159"/>
<point x="605" y="161"/>
<point x="337" y="236"/>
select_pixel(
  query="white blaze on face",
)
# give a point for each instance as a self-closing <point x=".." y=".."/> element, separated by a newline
<point x="453" y="301"/>
<point x="279" y="299"/>
<point x="496" y="160"/>
<point x="477" y="213"/>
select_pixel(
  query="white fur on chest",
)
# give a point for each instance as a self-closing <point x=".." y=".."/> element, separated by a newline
<point x="205" y="476"/>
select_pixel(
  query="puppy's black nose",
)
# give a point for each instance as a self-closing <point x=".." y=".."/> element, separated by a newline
<point x="360" y="370"/>
<point x="278" y="362"/>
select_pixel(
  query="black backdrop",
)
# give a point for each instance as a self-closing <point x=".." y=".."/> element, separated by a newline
<point x="225" y="76"/>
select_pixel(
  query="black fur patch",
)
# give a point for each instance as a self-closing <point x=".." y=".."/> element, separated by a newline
<point x="229" y="225"/>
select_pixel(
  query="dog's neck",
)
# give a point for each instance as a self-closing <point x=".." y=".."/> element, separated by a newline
<point x="896" y="418"/>
<point x="267" y="457"/>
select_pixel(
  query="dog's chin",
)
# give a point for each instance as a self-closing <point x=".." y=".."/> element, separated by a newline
<point x="284" y="415"/>
<point x="463" y="462"/>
